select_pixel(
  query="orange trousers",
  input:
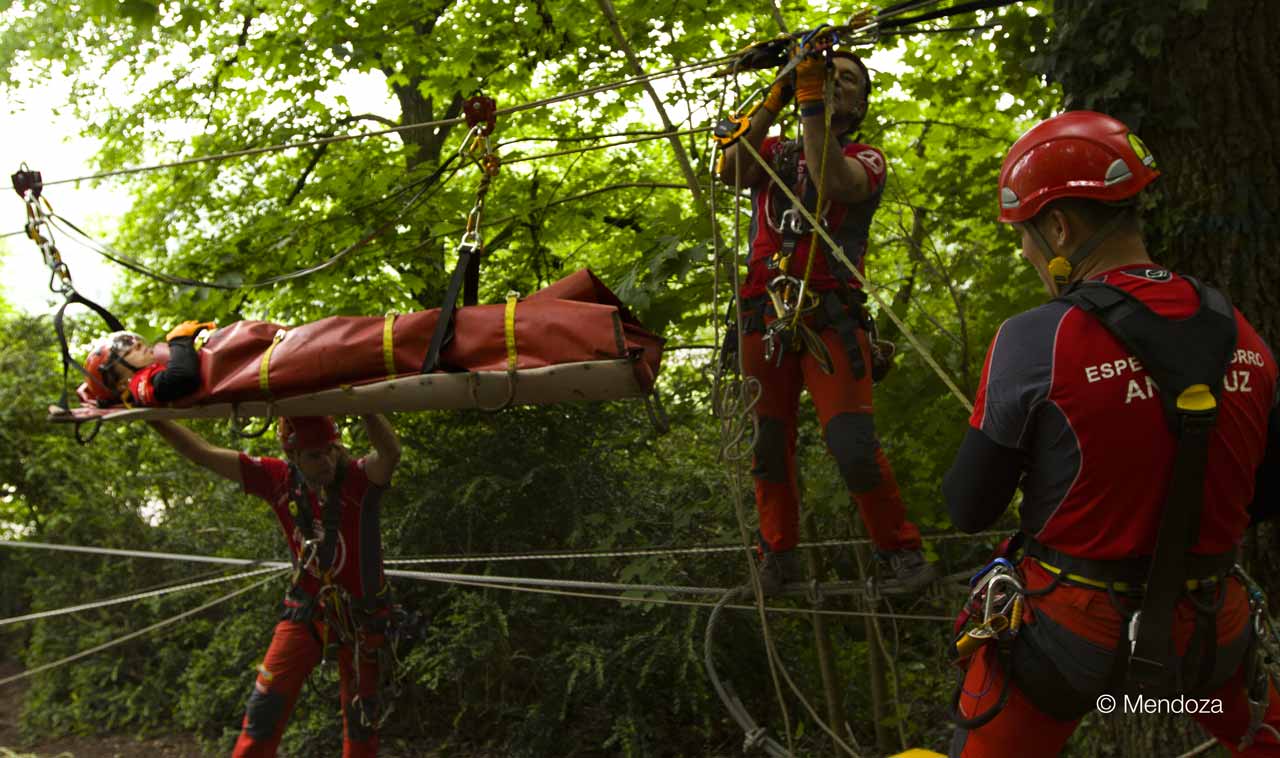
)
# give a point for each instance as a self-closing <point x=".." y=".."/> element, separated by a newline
<point x="843" y="402"/>
<point x="294" y="651"/>
<point x="1087" y="618"/>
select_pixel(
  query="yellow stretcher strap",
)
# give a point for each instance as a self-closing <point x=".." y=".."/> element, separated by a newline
<point x="388" y="344"/>
<point x="264" y="368"/>
<point x="509" y="326"/>
<point x="1192" y="584"/>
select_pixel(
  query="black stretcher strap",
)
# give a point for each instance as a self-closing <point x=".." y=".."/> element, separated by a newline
<point x="113" y="324"/>
<point x="468" y="268"/>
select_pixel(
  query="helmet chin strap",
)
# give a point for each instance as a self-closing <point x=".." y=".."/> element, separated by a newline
<point x="1059" y="267"/>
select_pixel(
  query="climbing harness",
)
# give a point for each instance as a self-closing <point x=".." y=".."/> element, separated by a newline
<point x="1187" y="359"/>
<point x="362" y="624"/>
<point x="480" y="113"/>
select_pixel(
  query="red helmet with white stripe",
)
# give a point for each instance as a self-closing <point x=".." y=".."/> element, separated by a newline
<point x="1081" y="154"/>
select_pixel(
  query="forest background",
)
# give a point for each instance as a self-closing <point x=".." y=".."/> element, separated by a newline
<point x="530" y="674"/>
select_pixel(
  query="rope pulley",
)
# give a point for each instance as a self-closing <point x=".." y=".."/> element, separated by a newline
<point x="29" y="185"/>
<point x="479" y="109"/>
<point x="27" y="181"/>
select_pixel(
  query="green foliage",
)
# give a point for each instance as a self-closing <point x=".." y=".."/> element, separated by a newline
<point x="505" y="672"/>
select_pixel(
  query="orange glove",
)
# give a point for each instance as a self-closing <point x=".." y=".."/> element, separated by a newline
<point x="188" y="329"/>
<point x="811" y="80"/>
<point x="779" y="95"/>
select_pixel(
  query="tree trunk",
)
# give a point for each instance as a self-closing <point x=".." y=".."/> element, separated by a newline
<point x="1202" y="89"/>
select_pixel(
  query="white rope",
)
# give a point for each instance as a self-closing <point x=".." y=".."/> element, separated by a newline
<point x="90" y="550"/>
<point x="134" y="598"/>
<point x="519" y="584"/>
<point x="500" y="557"/>
<point x="640" y="552"/>
<point x="133" y="635"/>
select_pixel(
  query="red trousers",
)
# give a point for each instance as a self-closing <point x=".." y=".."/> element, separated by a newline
<point x="1021" y="728"/>
<point x="295" y="650"/>
<point x="843" y="403"/>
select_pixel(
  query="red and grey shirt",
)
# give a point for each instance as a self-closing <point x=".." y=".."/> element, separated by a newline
<point x="848" y="225"/>
<point x="1087" y="421"/>
<point x="357" y="559"/>
<point x="168" y="380"/>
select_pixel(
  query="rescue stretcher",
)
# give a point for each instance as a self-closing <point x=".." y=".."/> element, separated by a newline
<point x="571" y="341"/>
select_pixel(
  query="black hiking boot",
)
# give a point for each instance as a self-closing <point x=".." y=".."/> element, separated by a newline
<point x="903" y="571"/>
<point x="778" y="569"/>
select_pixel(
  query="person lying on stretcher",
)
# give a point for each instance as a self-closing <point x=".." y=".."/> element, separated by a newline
<point x="122" y="367"/>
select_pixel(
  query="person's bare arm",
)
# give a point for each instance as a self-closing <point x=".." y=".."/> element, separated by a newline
<point x="220" y="460"/>
<point x="844" y="179"/>
<point x="381" y="462"/>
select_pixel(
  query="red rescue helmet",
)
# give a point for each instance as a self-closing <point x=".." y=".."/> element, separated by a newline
<point x="307" y="432"/>
<point x="1075" y="154"/>
<point x="105" y="353"/>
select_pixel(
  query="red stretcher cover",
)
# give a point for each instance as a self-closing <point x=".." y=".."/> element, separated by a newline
<point x="573" y="340"/>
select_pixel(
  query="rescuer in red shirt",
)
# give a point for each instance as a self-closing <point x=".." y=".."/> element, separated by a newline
<point x="328" y="505"/>
<point x="829" y="351"/>
<point x="1090" y="433"/>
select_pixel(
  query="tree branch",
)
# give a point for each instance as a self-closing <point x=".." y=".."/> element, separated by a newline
<point x="320" y="151"/>
<point x="682" y="158"/>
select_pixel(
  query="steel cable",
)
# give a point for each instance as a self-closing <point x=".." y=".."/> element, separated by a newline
<point x="686" y="68"/>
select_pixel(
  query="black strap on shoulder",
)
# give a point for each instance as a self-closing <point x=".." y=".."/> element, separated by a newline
<point x="331" y="516"/>
<point x="1178" y="353"/>
<point x="1187" y="359"/>
<point x="113" y="323"/>
<point x="302" y="517"/>
<point x="468" y="269"/>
